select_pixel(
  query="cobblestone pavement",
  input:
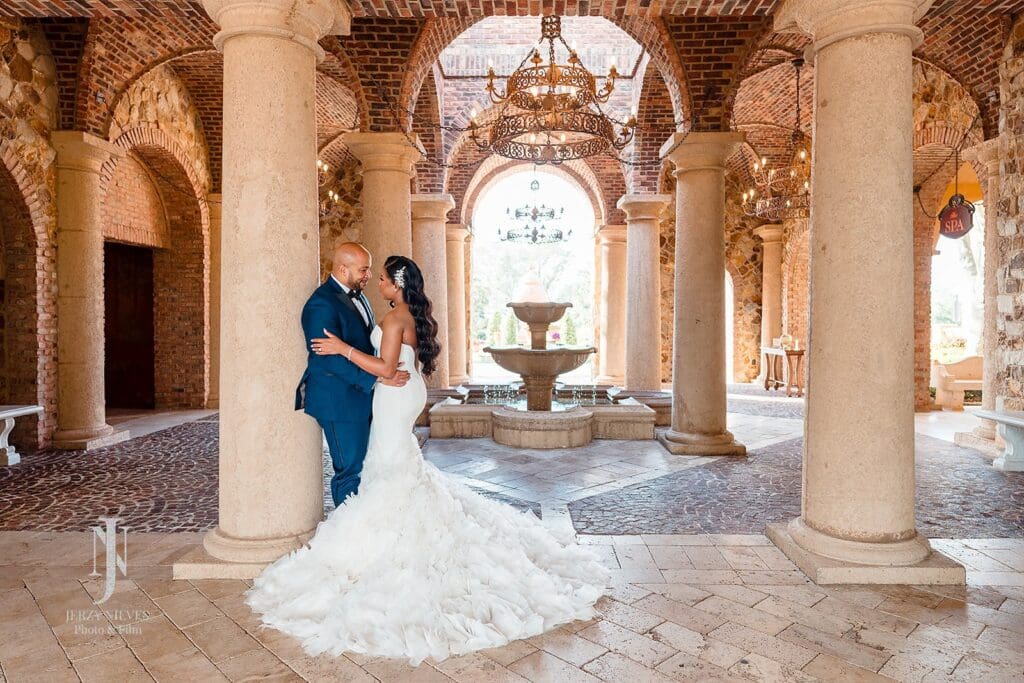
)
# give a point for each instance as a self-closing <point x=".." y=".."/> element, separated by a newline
<point x="705" y="607"/>
<point x="959" y="495"/>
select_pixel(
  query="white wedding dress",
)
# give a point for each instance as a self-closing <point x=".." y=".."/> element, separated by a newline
<point x="418" y="565"/>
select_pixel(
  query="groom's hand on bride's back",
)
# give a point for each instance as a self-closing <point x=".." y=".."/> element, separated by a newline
<point x="398" y="380"/>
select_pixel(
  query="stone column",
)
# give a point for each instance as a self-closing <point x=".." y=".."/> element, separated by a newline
<point x="614" y="282"/>
<point x="857" y="523"/>
<point x="698" y="353"/>
<point x="455" y="239"/>
<point x="429" y="251"/>
<point x="643" y="290"/>
<point x="81" y="394"/>
<point x="271" y="469"/>
<point x="388" y="165"/>
<point x="214" y="202"/>
<point x="771" y="283"/>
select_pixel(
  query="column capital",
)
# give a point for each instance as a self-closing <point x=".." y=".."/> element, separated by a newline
<point x="640" y="207"/>
<point x="79" y="151"/>
<point x="456" y="232"/>
<point x="829" y="21"/>
<point x="434" y="206"/>
<point x="386" y="151"/>
<point x="698" y="151"/>
<point x="770" y="232"/>
<point x="303" y="22"/>
<point x="612" y="234"/>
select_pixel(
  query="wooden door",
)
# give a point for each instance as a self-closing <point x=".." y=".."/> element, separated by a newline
<point x="128" y="303"/>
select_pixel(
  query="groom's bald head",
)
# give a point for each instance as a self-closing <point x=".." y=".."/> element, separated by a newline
<point x="352" y="265"/>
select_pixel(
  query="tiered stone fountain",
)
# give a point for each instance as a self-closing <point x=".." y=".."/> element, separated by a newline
<point x="541" y="421"/>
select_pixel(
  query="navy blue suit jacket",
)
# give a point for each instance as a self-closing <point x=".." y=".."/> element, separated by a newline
<point x="334" y="389"/>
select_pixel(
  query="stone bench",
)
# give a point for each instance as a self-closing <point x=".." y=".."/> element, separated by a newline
<point x="1011" y="428"/>
<point x="953" y="379"/>
<point x="8" y="455"/>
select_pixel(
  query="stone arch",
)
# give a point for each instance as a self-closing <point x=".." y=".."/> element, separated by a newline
<point x="181" y="268"/>
<point x="496" y="168"/>
<point x="28" y="334"/>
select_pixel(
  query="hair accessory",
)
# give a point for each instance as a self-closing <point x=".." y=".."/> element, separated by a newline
<point x="400" y="278"/>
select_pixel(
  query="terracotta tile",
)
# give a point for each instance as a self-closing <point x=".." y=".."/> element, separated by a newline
<point x="541" y="667"/>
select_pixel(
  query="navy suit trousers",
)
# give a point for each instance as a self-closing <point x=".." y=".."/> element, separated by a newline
<point x="347" y="443"/>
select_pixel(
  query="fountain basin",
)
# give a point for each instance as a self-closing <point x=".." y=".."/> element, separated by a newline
<point x="536" y="429"/>
<point x="539" y="369"/>
<point x="532" y="312"/>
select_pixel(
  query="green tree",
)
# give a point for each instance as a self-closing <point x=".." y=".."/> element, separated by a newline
<point x="511" y="330"/>
<point x="570" y="331"/>
<point x="494" y="336"/>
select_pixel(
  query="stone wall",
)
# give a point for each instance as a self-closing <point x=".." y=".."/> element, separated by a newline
<point x="28" y="113"/>
<point x="796" y="283"/>
<point x="344" y="223"/>
<point x="1010" y="225"/>
<point x="743" y="262"/>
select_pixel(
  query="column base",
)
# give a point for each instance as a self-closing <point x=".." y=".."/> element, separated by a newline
<point x="226" y="557"/>
<point x="910" y="562"/>
<point x="681" y="443"/>
<point x="973" y="440"/>
<point x="88" y="439"/>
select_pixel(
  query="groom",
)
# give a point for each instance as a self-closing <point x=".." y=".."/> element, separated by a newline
<point x="333" y="390"/>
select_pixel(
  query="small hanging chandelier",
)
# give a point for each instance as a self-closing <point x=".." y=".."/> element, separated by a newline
<point x="781" y="193"/>
<point x="536" y="229"/>
<point x="551" y="113"/>
<point x="327" y="199"/>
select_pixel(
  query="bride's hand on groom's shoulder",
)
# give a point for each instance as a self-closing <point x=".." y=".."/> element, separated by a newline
<point x="399" y="380"/>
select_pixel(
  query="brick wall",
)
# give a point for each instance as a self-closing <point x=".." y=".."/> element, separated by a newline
<point x="133" y="210"/>
<point x="796" y="275"/>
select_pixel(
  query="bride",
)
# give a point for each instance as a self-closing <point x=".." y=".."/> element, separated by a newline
<point x="416" y="564"/>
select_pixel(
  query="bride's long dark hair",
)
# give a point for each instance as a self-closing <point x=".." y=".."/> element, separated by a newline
<point x="419" y="306"/>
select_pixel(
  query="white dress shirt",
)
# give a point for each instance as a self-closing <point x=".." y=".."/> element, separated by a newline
<point x="358" y="301"/>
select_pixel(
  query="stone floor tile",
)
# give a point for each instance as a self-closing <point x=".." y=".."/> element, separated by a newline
<point x="1012" y="606"/>
<point x="158" y="638"/>
<point x="634" y="556"/>
<point x="616" y="668"/>
<point x="476" y="668"/>
<point x="568" y="647"/>
<point x="701" y="576"/>
<point x="706" y="557"/>
<point x="686" y="667"/>
<point x="697" y="645"/>
<point x="636" y="620"/>
<point x="807" y="595"/>
<point x="680" y="613"/>
<point x="158" y="588"/>
<point x="739" y="539"/>
<point x="221" y="638"/>
<point x="188" y="608"/>
<point x="670" y="557"/>
<point x="758" y="668"/>
<point x="628" y="592"/>
<point x="758" y="577"/>
<point x="745" y="557"/>
<point x="847" y="649"/>
<point x="904" y="668"/>
<point x="541" y="667"/>
<point x="741" y="614"/>
<point x="866" y="596"/>
<point x="680" y="592"/>
<point x="793" y="611"/>
<point x="676" y="539"/>
<point x="219" y="588"/>
<point x="512" y="652"/>
<point x="257" y="664"/>
<point x="736" y="593"/>
<point x="862" y="615"/>
<point x="773" y="557"/>
<point x="116" y="665"/>
<point x="642" y="649"/>
<point x="1010" y="578"/>
<point x="642" y="575"/>
<point x="773" y="648"/>
<point x="829" y="668"/>
<point x="973" y="669"/>
<point x="990" y="617"/>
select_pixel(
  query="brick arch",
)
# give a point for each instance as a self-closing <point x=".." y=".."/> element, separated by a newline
<point x="181" y="268"/>
<point x="338" y="65"/>
<point x="28" y="356"/>
<point x="433" y="38"/>
<point x="489" y="173"/>
<point x="120" y="50"/>
<point x="656" y="121"/>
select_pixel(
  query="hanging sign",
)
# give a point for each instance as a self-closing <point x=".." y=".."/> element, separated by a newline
<point x="957" y="218"/>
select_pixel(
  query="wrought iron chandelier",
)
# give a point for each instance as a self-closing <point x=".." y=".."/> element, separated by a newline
<point x="536" y="229"/>
<point x="329" y="198"/>
<point x="551" y="113"/>
<point x="782" y="193"/>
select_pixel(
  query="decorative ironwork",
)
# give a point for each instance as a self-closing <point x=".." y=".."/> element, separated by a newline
<point x="781" y="193"/>
<point x="536" y="229"/>
<point x="328" y="199"/>
<point x="551" y="113"/>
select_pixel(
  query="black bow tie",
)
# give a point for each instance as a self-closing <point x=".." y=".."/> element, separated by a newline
<point x="354" y="293"/>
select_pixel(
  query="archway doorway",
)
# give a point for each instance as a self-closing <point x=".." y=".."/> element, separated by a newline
<point x="128" y="326"/>
<point x="501" y="264"/>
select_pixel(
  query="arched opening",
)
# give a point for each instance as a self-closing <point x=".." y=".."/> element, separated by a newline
<point x="156" y="284"/>
<point x="500" y="265"/>
<point x="730" y="322"/>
